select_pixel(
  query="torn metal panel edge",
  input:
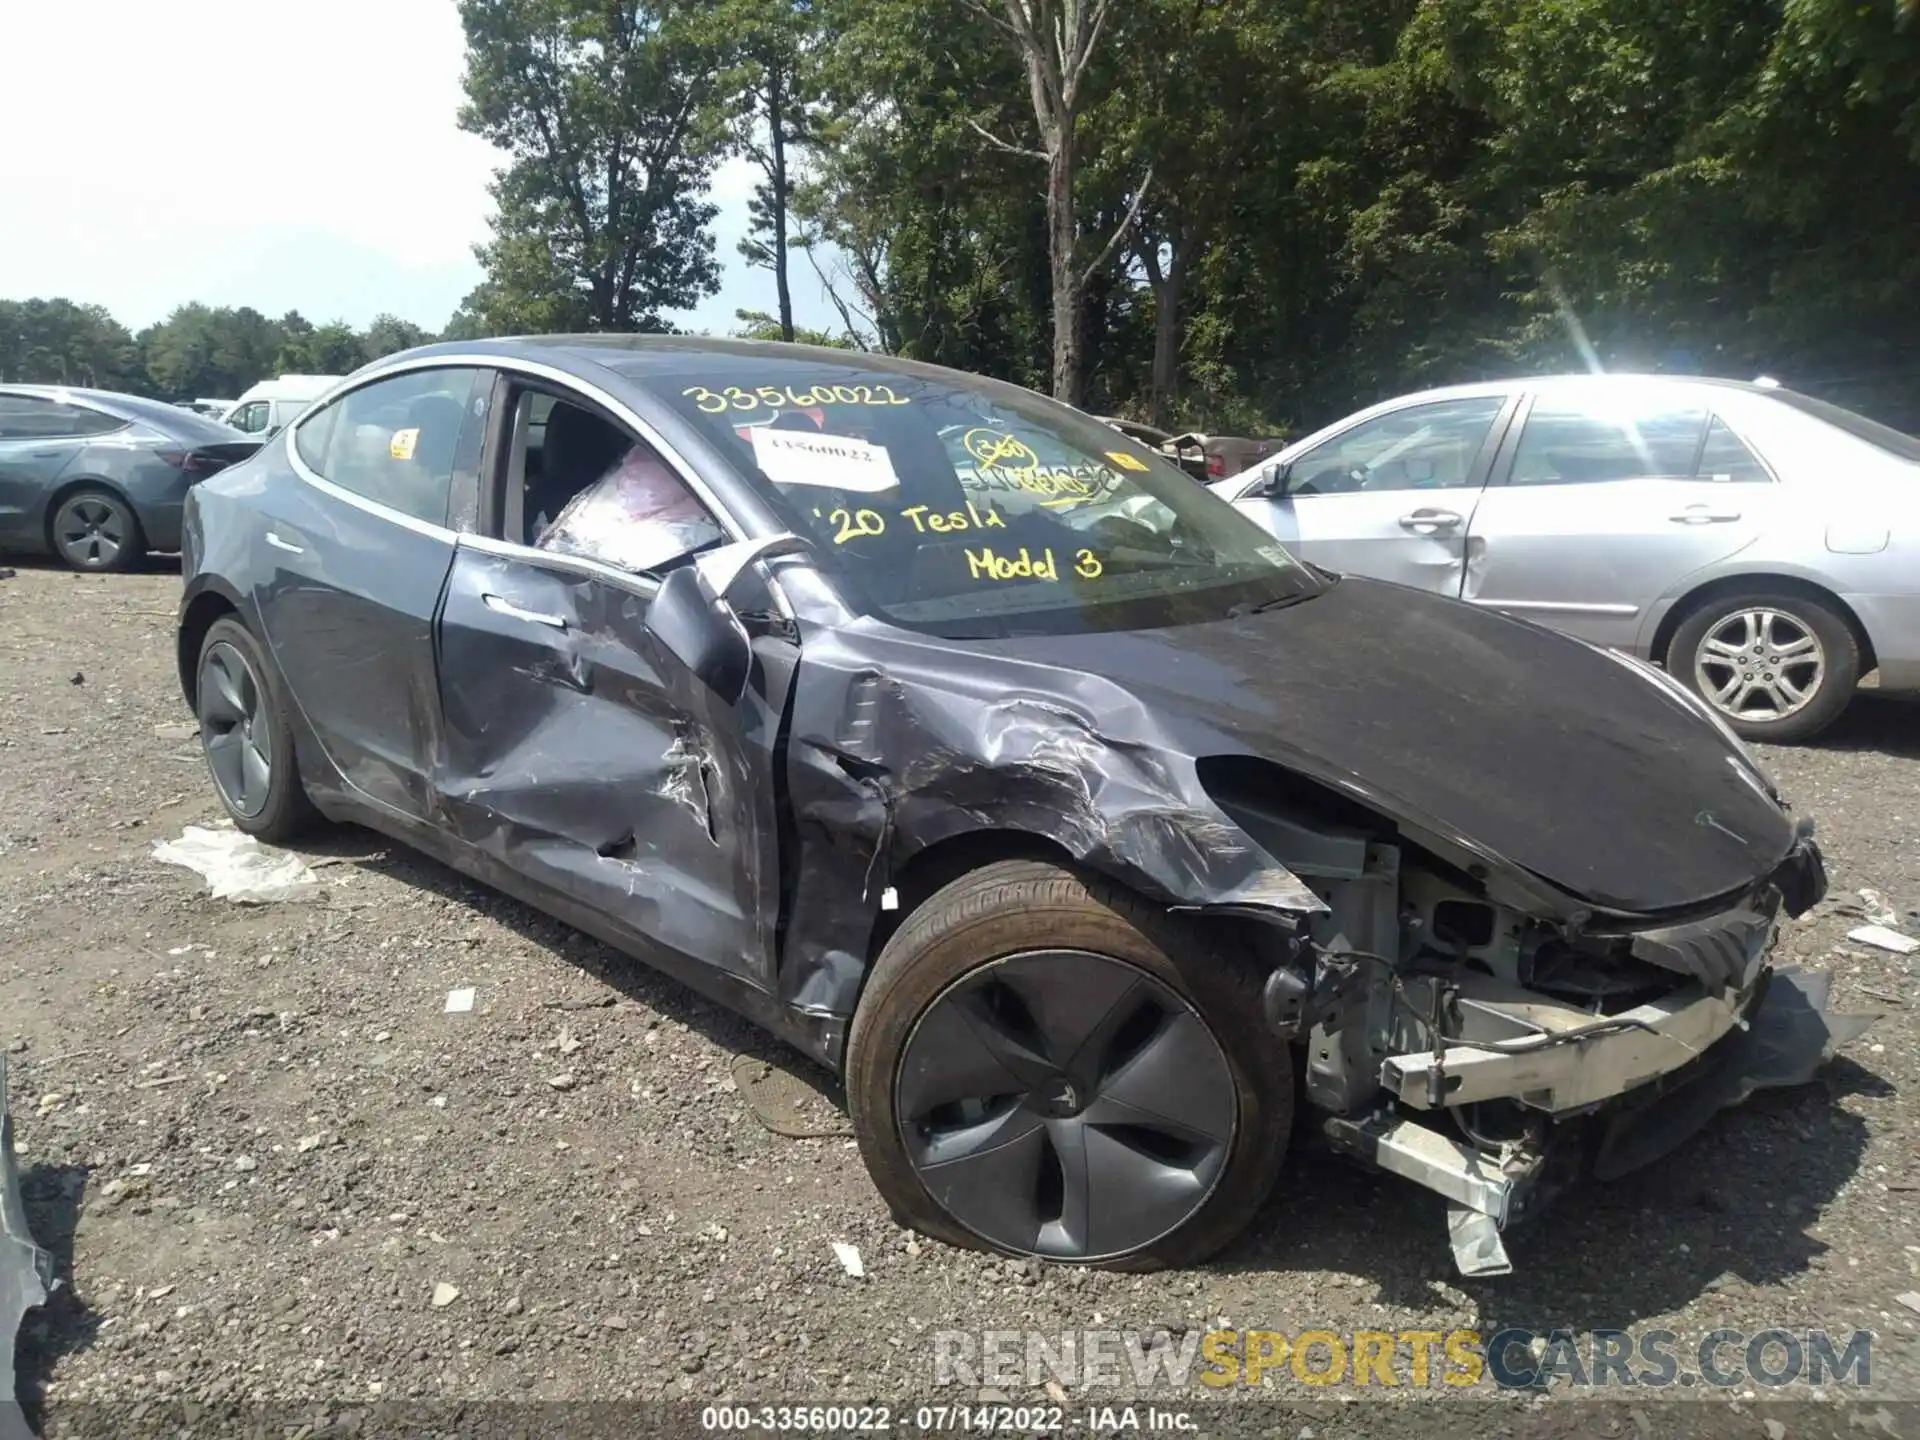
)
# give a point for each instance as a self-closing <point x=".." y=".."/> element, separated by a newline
<point x="26" y="1271"/>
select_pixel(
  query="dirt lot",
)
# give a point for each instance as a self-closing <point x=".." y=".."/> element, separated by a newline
<point x="258" y="1143"/>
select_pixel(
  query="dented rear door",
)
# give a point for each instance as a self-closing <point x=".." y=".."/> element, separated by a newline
<point x="581" y="756"/>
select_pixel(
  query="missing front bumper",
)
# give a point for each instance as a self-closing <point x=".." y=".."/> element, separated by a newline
<point x="1777" y="1034"/>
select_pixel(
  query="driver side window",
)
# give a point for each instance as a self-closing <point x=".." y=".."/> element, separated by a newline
<point x="579" y="484"/>
<point x="1421" y="447"/>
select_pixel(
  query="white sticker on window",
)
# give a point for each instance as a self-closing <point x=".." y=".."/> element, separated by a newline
<point x="830" y="462"/>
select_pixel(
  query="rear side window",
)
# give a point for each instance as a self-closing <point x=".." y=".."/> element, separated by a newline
<point x="29" y="417"/>
<point x="396" y="442"/>
<point x="1726" y="458"/>
<point x="1588" y="440"/>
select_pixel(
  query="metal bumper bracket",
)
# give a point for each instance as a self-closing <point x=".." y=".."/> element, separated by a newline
<point x="1482" y="1195"/>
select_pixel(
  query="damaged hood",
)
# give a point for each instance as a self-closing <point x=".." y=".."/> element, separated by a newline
<point x="1541" y="753"/>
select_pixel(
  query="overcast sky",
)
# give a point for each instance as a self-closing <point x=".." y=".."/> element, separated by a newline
<point x="272" y="153"/>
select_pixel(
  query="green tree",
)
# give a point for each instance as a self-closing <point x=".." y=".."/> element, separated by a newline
<point x="56" y="342"/>
<point x="936" y="246"/>
<point x="1224" y="146"/>
<point x="1057" y="43"/>
<point x="772" y="90"/>
<point x="200" y="350"/>
<point x="388" y="335"/>
<point x="759" y="325"/>
<point x="603" y="107"/>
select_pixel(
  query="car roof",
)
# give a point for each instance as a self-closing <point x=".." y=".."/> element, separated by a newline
<point x="76" y="394"/>
<point x="644" y="356"/>
<point x="170" y="419"/>
<point x="1550" y="383"/>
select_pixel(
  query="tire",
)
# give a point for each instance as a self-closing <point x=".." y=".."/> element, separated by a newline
<point x="244" y="729"/>
<point x="1066" y="1001"/>
<point x="1746" y="635"/>
<point x="93" y="530"/>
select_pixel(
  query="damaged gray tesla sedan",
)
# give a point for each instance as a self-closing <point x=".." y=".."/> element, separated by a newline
<point x="970" y="747"/>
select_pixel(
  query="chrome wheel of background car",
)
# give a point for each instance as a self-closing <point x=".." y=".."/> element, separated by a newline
<point x="93" y="531"/>
<point x="1066" y="1104"/>
<point x="233" y="728"/>
<point x="1760" y="664"/>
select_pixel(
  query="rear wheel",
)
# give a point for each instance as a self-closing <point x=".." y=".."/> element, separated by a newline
<point x="1777" y="666"/>
<point x="93" y="529"/>
<point x="245" y="736"/>
<point x="1044" y="1065"/>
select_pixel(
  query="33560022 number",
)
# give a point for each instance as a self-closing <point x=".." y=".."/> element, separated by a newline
<point x="786" y="397"/>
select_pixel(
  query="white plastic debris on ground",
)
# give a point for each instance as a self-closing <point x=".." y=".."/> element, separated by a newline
<point x="1883" y="938"/>
<point x="460" y="1000"/>
<point x="849" y="1258"/>
<point x="1878" y="911"/>
<point x="238" y="867"/>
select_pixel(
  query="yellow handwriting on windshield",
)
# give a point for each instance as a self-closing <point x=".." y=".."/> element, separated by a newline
<point x="993" y="450"/>
<point x="1087" y="565"/>
<point x="986" y="564"/>
<point x="852" y="524"/>
<point x="952" y="520"/>
<point x="786" y="397"/>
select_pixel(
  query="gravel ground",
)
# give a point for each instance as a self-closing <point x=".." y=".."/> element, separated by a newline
<point x="260" y="1148"/>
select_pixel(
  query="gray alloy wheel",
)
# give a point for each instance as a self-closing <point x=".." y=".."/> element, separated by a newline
<point x="94" y="530"/>
<point x="1066" y="1104"/>
<point x="234" y="722"/>
<point x="1760" y="665"/>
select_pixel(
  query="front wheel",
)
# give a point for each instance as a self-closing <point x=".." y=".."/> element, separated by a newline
<point x="1778" y="667"/>
<point x="1046" y="1065"/>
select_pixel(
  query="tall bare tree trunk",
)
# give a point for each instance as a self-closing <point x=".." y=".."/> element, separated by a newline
<point x="1056" y="40"/>
<point x="1168" y="284"/>
<point x="1068" y="381"/>
<point x="777" y="128"/>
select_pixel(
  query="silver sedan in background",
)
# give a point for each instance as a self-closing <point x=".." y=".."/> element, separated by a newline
<point x="1762" y="545"/>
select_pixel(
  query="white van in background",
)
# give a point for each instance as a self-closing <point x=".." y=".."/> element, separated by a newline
<point x="271" y="404"/>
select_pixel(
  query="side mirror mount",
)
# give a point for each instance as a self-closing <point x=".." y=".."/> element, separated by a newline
<point x="1276" y="483"/>
<point x="692" y="615"/>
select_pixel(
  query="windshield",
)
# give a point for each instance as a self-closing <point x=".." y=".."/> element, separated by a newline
<point x="967" y="510"/>
<point x="1885" y="437"/>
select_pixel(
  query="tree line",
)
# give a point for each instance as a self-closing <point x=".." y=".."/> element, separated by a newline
<point x="1236" y="214"/>
<point x="198" y="350"/>
<point x="1233" y="213"/>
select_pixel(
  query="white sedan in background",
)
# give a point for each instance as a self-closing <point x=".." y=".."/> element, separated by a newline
<point x="1762" y="545"/>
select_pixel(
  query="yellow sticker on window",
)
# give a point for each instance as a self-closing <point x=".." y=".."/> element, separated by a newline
<point x="403" y="442"/>
<point x="1126" y="461"/>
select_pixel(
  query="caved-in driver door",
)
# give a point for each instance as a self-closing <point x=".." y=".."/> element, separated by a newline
<point x="590" y="764"/>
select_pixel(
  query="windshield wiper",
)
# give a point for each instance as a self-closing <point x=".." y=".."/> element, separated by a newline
<point x="1279" y="602"/>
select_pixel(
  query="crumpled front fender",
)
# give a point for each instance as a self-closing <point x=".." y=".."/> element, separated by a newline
<point x="884" y="763"/>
